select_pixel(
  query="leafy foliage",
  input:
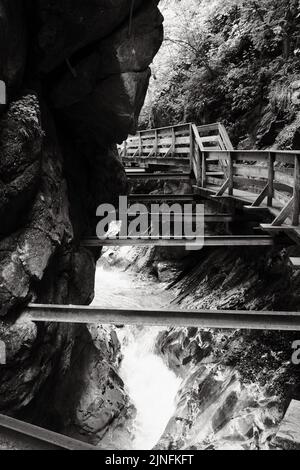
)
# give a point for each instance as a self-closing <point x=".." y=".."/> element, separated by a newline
<point x="228" y="60"/>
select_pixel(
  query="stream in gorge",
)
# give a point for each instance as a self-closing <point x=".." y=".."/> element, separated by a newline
<point x="150" y="384"/>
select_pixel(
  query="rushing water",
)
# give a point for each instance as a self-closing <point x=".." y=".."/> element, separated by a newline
<point x="150" y="384"/>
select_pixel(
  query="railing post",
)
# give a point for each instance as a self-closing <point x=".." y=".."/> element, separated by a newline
<point x="296" y="197"/>
<point x="203" y="170"/>
<point x="173" y="148"/>
<point x="155" y="150"/>
<point x="140" y="144"/>
<point x="271" y="178"/>
<point x="230" y="175"/>
<point x="192" y="149"/>
<point x="2" y="93"/>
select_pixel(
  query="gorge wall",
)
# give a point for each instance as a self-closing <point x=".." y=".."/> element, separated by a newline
<point x="76" y="75"/>
<point x="236" y="385"/>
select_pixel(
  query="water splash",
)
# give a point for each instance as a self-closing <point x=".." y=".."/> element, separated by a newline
<point x="151" y="386"/>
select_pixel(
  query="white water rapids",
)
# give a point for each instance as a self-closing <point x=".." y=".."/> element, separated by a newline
<point x="150" y="384"/>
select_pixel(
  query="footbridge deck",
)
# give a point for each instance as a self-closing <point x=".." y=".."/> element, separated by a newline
<point x="266" y="180"/>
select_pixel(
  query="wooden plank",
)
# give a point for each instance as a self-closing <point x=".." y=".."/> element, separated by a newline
<point x="223" y="188"/>
<point x="225" y="137"/>
<point x="284" y="214"/>
<point x="201" y="318"/>
<point x="276" y="228"/>
<point x="295" y="262"/>
<point x="296" y="193"/>
<point x="173" y="144"/>
<point x="222" y="240"/>
<point x="203" y="170"/>
<point x="160" y="176"/>
<point x="208" y="128"/>
<point x="161" y="197"/>
<point x="261" y="197"/>
<point x="288" y="435"/>
<point x="39" y="434"/>
<point x="3" y="97"/>
<point x="167" y="128"/>
<point x="252" y="171"/>
<point x="211" y="138"/>
<point x="285" y="177"/>
<point x="286" y="157"/>
<point x="211" y="148"/>
<point x="230" y="175"/>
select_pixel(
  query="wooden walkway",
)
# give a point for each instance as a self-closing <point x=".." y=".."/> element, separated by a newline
<point x="262" y="179"/>
<point x="264" y="182"/>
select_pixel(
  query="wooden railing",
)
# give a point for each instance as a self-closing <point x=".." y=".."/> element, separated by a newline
<point x="208" y="153"/>
<point x="273" y="175"/>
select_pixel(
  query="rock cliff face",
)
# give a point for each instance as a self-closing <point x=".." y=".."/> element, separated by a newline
<point x="236" y="384"/>
<point x="76" y="75"/>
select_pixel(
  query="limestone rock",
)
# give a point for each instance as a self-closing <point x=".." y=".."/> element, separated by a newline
<point x="288" y="436"/>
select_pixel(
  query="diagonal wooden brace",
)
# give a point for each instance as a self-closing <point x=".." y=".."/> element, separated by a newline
<point x="286" y="211"/>
<point x="223" y="188"/>
<point x="261" y="197"/>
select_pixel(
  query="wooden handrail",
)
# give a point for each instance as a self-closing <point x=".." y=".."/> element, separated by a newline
<point x="197" y="147"/>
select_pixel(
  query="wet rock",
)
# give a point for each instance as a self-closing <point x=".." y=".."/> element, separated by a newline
<point x="98" y="402"/>
<point x="20" y="147"/>
<point x="236" y="384"/>
<point x="86" y="80"/>
<point x="168" y="271"/>
<point x="288" y="436"/>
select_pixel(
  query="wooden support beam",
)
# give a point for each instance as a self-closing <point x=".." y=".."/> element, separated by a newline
<point x="161" y="197"/>
<point x="261" y="197"/>
<point x="295" y="262"/>
<point x="173" y="147"/>
<point x="223" y="188"/>
<point x="196" y="243"/>
<point x="159" y="176"/>
<point x="203" y="177"/>
<point x="140" y="149"/>
<point x="192" y="150"/>
<point x="201" y="318"/>
<point x="47" y="439"/>
<point x="284" y="214"/>
<point x="296" y="194"/>
<point x="155" y="150"/>
<point x="3" y="99"/>
<point x="271" y="178"/>
<point x="230" y="175"/>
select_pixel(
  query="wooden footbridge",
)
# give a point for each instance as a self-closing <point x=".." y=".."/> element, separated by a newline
<point x="265" y="181"/>
<point x="263" y="185"/>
